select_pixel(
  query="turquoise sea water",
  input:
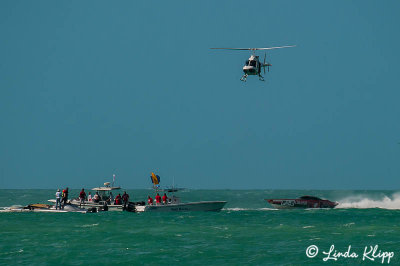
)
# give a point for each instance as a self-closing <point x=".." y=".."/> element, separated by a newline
<point x="247" y="231"/>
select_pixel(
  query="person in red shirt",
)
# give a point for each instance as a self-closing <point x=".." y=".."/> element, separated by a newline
<point x="150" y="200"/>
<point x="118" y="200"/>
<point x="82" y="197"/>
<point x="158" y="199"/>
<point x="164" y="199"/>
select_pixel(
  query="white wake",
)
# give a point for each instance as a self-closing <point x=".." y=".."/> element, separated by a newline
<point x="362" y="202"/>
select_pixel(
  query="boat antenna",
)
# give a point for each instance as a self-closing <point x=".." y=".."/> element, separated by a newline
<point x="113" y="180"/>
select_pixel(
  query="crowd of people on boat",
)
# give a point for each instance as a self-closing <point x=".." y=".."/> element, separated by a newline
<point x="159" y="200"/>
<point x="62" y="198"/>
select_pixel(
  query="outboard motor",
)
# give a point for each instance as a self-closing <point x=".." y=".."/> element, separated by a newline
<point x="92" y="210"/>
<point x="130" y="207"/>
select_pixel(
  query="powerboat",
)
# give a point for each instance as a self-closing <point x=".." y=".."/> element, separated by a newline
<point x="44" y="208"/>
<point x="174" y="205"/>
<point x="302" y="202"/>
<point x="155" y="179"/>
<point x="105" y="200"/>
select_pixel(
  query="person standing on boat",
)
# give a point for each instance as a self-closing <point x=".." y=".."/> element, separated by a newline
<point x="164" y="199"/>
<point x="58" y="199"/>
<point x="96" y="197"/>
<point x="125" y="199"/>
<point x="118" y="200"/>
<point x="150" y="200"/>
<point x="82" y="197"/>
<point x="111" y="197"/>
<point x="158" y="199"/>
<point x="64" y="197"/>
<point x="89" y="197"/>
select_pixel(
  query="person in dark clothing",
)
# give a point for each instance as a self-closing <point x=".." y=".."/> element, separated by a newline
<point x="64" y="197"/>
<point x="82" y="197"/>
<point x="125" y="199"/>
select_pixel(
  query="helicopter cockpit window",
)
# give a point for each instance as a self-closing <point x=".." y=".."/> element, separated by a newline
<point x="253" y="63"/>
<point x="247" y="63"/>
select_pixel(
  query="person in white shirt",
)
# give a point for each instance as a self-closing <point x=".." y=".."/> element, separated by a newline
<point x="89" y="197"/>
<point x="58" y="199"/>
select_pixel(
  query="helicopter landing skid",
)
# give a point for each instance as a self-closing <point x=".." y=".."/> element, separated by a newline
<point x="244" y="78"/>
<point x="261" y="78"/>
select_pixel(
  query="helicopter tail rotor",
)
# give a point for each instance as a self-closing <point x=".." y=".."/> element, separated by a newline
<point x="265" y="55"/>
<point x="266" y="64"/>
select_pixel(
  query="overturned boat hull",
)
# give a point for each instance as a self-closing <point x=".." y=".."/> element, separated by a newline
<point x="44" y="208"/>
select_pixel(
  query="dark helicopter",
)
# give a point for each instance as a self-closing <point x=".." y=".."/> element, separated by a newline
<point x="253" y="65"/>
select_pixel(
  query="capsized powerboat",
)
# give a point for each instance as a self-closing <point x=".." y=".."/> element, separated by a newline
<point x="44" y="208"/>
<point x="302" y="202"/>
<point x="176" y="206"/>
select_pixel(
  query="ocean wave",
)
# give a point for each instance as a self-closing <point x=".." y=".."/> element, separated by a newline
<point x="249" y="209"/>
<point x="360" y="202"/>
<point x="87" y="225"/>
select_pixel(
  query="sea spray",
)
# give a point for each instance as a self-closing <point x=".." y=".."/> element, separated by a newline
<point x="364" y="202"/>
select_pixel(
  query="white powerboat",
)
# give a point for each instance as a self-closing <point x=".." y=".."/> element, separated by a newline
<point x="105" y="201"/>
<point x="44" y="208"/>
<point x="176" y="206"/>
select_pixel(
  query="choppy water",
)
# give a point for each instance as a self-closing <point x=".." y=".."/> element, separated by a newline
<point x="247" y="231"/>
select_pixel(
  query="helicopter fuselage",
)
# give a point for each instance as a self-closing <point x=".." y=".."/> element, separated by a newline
<point x="252" y="66"/>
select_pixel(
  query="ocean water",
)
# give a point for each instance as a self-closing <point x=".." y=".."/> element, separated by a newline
<point x="246" y="232"/>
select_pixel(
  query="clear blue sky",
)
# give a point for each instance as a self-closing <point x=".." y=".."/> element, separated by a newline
<point x="92" y="88"/>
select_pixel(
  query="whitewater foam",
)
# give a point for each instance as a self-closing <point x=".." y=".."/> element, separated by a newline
<point x="360" y="202"/>
<point x="249" y="209"/>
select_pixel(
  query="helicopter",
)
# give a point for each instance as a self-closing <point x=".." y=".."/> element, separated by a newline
<point x="253" y="65"/>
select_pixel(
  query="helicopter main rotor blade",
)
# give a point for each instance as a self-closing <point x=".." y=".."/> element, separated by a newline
<point x="254" y="49"/>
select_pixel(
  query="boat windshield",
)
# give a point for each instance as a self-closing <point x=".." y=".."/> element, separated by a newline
<point x="309" y="198"/>
<point x="107" y="193"/>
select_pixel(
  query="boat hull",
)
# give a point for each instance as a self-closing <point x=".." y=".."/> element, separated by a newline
<point x="184" y="207"/>
<point x="33" y="208"/>
<point x="98" y="206"/>
<point x="301" y="204"/>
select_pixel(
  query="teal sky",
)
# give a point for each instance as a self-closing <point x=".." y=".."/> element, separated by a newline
<point x="92" y="88"/>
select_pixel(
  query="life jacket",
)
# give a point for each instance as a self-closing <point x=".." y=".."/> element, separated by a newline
<point x="150" y="201"/>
